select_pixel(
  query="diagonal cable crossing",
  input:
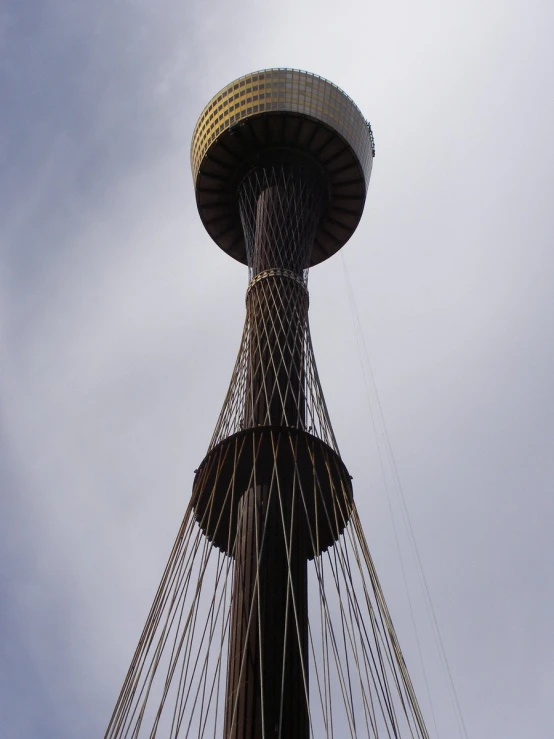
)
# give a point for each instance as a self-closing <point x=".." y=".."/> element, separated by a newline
<point x="270" y="621"/>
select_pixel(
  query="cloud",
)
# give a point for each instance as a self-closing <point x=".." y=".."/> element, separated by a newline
<point x="119" y="324"/>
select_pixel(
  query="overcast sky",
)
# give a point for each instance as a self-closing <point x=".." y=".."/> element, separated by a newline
<point x="120" y="321"/>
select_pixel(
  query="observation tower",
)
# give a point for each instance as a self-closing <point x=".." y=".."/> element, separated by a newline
<point x="270" y="621"/>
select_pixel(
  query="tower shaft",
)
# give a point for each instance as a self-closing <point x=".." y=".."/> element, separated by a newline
<point x="267" y="683"/>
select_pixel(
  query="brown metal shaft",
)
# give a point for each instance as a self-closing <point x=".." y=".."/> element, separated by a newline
<point x="267" y="680"/>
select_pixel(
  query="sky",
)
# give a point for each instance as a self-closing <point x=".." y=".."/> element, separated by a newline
<point x="120" y="321"/>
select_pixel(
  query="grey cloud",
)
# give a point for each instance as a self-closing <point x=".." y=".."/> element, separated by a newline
<point x="119" y="323"/>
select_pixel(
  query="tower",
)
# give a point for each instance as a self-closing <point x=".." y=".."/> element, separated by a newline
<point x="281" y="161"/>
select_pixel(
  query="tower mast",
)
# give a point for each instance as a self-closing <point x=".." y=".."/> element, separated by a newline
<point x="281" y="161"/>
<point x="278" y="188"/>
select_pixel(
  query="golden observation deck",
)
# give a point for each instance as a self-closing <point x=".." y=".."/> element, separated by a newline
<point x="288" y="114"/>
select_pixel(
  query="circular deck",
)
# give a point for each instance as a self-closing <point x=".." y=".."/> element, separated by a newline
<point x="291" y="461"/>
<point x="281" y="115"/>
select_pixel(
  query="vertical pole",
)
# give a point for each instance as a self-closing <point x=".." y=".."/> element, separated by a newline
<point x="266" y="689"/>
<point x="267" y="681"/>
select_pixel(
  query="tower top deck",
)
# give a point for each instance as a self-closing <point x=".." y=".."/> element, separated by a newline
<point x="281" y="116"/>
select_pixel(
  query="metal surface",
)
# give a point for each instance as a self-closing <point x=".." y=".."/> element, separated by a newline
<point x="267" y="681"/>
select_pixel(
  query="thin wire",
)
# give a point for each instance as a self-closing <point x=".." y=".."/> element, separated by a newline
<point x="367" y="371"/>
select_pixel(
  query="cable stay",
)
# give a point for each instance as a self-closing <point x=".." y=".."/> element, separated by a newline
<point x="387" y="463"/>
